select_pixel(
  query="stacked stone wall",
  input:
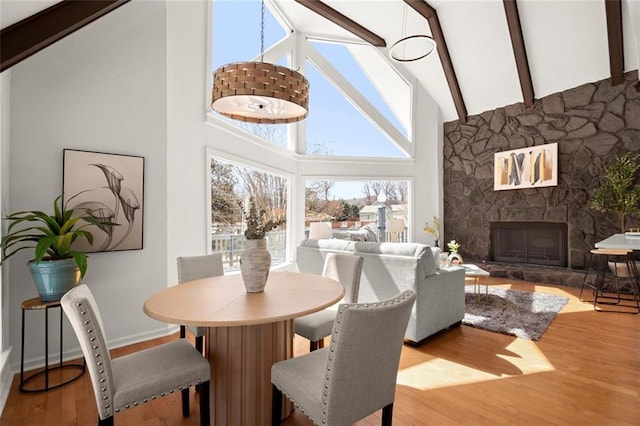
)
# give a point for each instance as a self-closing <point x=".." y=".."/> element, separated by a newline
<point x="592" y="124"/>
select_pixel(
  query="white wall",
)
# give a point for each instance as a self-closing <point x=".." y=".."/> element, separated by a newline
<point x="6" y="375"/>
<point x="103" y="89"/>
<point x="428" y="175"/>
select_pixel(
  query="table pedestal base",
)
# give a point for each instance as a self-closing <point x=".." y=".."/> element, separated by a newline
<point x="241" y="358"/>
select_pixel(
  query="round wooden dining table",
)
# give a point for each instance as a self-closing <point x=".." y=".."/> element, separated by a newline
<point x="247" y="333"/>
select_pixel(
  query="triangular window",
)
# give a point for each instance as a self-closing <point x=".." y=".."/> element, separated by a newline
<point x="371" y="75"/>
<point x="335" y="127"/>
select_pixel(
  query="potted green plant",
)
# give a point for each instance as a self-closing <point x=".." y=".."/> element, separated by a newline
<point x="255" y="261"/>
<point x="454" y="256"/>
<point x="619" y="193"/>
<point x="56" y="266"/>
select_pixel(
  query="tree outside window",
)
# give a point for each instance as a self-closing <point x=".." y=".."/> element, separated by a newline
<point x="231" y="186"/>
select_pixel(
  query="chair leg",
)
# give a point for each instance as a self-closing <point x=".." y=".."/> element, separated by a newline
<point x="199" y="348"/>
<point x="387" y="415"/>
<point x="185" y="402"/>
<point x="105" y="422"/>
<point x="204" y="403"/>
<point x="199" y="344"/>
<point x="586" y="275"/>
<point x="635" y="285"/>
<point x="315" y="345"/>
<point x="276" y="406"/>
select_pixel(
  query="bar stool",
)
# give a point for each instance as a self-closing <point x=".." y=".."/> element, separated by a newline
<point x="33" y="305"/>
<point x="607" y="297"/>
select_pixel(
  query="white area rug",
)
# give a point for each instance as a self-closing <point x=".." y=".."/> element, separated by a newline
<point x="516" y="313"/>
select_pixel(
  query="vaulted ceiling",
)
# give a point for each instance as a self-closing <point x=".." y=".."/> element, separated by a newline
<point x="490" y="53"/>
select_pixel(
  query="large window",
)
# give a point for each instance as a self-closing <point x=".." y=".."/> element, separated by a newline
<point x="372" y="77"/>
<point x="232" y="185"/>
<point x="336" y="125"/>
<point x="359" y="105"/>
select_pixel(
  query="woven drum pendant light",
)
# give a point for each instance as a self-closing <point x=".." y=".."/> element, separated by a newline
<point x="259" y="92"/>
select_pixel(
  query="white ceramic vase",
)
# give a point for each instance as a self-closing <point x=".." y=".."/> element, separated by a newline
<point x="443" y="259"/>
<point x="455" y="259"/>
<point x="255" y="263"/>
<point x="621" y="270"/>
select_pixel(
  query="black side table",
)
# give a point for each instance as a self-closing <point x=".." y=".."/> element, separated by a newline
<point x="33" y="305"/>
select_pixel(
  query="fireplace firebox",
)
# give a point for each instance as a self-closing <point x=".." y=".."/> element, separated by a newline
<point x="539" y="243"/>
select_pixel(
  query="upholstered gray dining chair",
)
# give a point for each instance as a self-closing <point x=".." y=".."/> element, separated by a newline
<point x="347" y="270"/>
<point x="356" y="375"/>
<point x="195" y="268"/>
<point x="130" y="380"/>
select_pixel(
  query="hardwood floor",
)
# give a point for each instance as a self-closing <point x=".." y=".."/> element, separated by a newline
<point x="584" y="370"/>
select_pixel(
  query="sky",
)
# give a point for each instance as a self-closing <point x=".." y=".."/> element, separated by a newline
<point x="332" y="121"/>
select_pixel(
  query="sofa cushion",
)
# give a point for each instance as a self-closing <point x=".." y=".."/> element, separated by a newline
<point x="330" y="244"/>
<point x="419" y="251"/>
<point x="394" y="249"/>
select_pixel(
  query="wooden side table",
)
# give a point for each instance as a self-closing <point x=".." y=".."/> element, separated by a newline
<point x="36" y="304"/>
<point x="476" y="272"/>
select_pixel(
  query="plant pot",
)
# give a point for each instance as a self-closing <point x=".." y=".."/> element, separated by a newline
<point x="54" y="278"/>
<point x="443" y="260"/>
<point x="621" y="270"/>
<point x="455" y="259"/>
<point x="255" y="263"/>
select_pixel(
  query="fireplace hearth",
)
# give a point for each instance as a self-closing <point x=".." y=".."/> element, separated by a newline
<point x="536" y="243"/>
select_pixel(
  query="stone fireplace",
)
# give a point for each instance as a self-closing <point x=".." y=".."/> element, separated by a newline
<point x="536" y="243"/>
<point x="592" y="124"/>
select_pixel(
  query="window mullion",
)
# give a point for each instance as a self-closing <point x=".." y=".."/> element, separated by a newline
<point x="358" y="100"/>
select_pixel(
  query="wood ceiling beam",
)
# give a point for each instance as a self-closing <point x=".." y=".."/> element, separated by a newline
<point x="343" y="21"/>
<point x="430" y="14"/>
<point x="519" y="52"/>
<point x="32" y="34"/>
<point x="613" y="10"/>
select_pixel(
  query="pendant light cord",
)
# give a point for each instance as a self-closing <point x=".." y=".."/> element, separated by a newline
<point x="402" y="44"/>
<point x="262" y="31"/>
<point x="404" y="28"/>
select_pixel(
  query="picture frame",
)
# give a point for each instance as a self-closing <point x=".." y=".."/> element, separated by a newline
<point x="530" y="167"/>
<point x="109" y="187"/>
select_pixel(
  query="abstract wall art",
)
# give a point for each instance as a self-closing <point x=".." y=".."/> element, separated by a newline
<point x="530" y="167"/>
<point x="110" y="188"/>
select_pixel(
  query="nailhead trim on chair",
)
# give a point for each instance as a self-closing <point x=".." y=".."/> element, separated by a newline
<point x="153" y="397"/>
<point x="299" y="408"/>
<point x="344" y="307"/>
<point x="97" y="355"/>
<point x="102" y="379"/>
<point x="339" y="315"/>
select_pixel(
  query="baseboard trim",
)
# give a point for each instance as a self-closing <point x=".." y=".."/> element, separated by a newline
<point x="6" y="378"/>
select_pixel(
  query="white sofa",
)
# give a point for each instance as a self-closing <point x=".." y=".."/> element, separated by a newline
<point x="389" y="269"/>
